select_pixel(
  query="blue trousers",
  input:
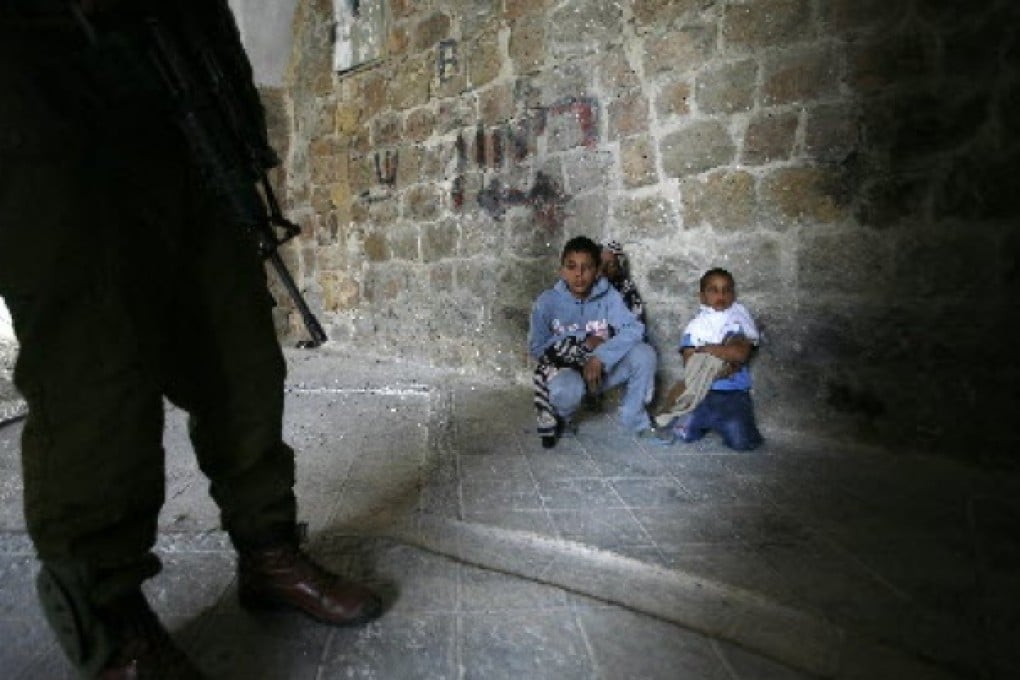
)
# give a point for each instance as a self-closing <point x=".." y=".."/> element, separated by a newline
<point x="731" y="414"/>
<point x="636" y="371"/>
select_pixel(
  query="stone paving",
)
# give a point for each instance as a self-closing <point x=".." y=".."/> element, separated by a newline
<point x="605" y="557"/>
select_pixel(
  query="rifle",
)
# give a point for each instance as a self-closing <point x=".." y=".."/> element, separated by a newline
<point x="219" y="136"/>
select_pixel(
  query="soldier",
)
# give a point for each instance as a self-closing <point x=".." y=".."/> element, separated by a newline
<point x="125" y="288"/>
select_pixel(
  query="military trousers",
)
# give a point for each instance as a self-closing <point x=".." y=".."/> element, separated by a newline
<point x="126" y="290"/>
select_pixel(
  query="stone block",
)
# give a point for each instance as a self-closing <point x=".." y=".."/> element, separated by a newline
<point x="587" y="169"/>
<point x="433" y="163"/>
<point x="727" y="88"/>
<point x="321" y="200"/>
<point x="382" y="207"/>
<point x="441" y="277"/>
<point x="410" y="85"/>
<point x="832" y="134"/>
<point x="386" y="129"/>
<point x="340" y="293"/>
<point x="474" y="278"/>
<point x="360" y="141"/>
<point x="628" y="114"/>
<point x="475" y="16"/>
<point x="876" y="65"/>
<point x="679" y="51"/>
<point x="402" y="9"/>
<point x="886" y="201"/>
<point x="348" y="118"/>
<point x="846" y="262"/>
<point x="637" y="161"/>
<point x="402" y="238"/>
<point x="422" y="202"/>
<point x="376" y="246"/>
<point x="943" y="265"/>
<point x="585" y="214"/>
<point x="520" y="281"/>
<point x="921" y="125"/>
<point x="456" y="114"/>
<point x="373" y="91"/>
<point x="567" y="82"/>
<point x="398" y="40"/>
<point x="527" y="47"/>
<point x="757" y="264"/>
<point x="843" y="16"/>
<point x="521" y="8"/>
<point x="484" y="58"/>
<point x="430" y="31"/>
<point x="769" y="137"/>
<point x="569" y="126"/>
<point x="644" y="217"/>
<point x="386" y="282"/>
<point x="420" y="124"/>
<point x="654" y="13"/>
<point x="330" y="258"/>
<point x="696" y="147"/>
<point x="725" y="200"/>
<point x="496" y="104"/>
<point x="479" y="235"/>
<point x="439" y="240"/>
<point x="766" y="23"/>
<point x="582" y="25"/>
<point x="407" y="160"/>
<point x="674" y="99"/>
<point x="361" y="173"/>
<point x="675" y="276"/>
<point x="615" y="70"/>
<point x="323" y="169"/>
<point x="800" y="77"/>
<point x="805" y="195"/>
<point x="530" y="238"/>
<point x="980" y="187"/>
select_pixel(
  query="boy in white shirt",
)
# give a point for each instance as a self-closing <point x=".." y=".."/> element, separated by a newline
<point x="723" y="329"/>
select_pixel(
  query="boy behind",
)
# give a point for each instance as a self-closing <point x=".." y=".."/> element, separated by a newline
<point x="586" y="340"/>
<point x="724" y="329"/>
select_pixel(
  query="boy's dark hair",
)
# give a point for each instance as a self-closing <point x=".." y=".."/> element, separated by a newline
<point x="715" y="271"/>
<point x="582" y="244"/>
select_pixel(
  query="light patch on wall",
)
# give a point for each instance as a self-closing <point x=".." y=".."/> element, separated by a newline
<point x="359" y="32"/>
<point x="6" y="325"/>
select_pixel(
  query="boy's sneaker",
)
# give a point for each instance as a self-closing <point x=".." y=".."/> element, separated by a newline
<point x="551" y="428"/>
<point x="548" y="426"/>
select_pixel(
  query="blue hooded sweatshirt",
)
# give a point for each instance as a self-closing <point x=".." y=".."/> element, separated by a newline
<point x="557" y="315"/>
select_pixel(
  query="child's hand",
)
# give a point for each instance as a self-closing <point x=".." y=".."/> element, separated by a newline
<point x="593" y="341"/>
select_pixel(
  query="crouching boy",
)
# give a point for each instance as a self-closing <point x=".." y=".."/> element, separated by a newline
<point x="586" y="340"/>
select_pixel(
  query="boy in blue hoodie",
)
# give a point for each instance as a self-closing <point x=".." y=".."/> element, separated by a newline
<point x="586" y="340"/>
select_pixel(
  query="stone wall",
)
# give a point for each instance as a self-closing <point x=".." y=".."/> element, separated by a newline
<point x="852" y="162"/>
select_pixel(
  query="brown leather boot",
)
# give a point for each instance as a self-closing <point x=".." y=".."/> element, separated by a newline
<point x="145" y="651"/>
<point x="284" y="577"/>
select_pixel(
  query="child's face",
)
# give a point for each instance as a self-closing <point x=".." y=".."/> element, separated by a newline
<point x="719" y="293"/>
<point x="610" y="265"/>
<point x="579" y="272"/>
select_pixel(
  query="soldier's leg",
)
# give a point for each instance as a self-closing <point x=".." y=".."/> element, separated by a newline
<point x="229" y="376"/>
<point x="227" y="372"/>
<point x="92" y="442"/>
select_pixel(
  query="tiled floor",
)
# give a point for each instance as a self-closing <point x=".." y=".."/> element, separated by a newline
<point x="605" y="557"/>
